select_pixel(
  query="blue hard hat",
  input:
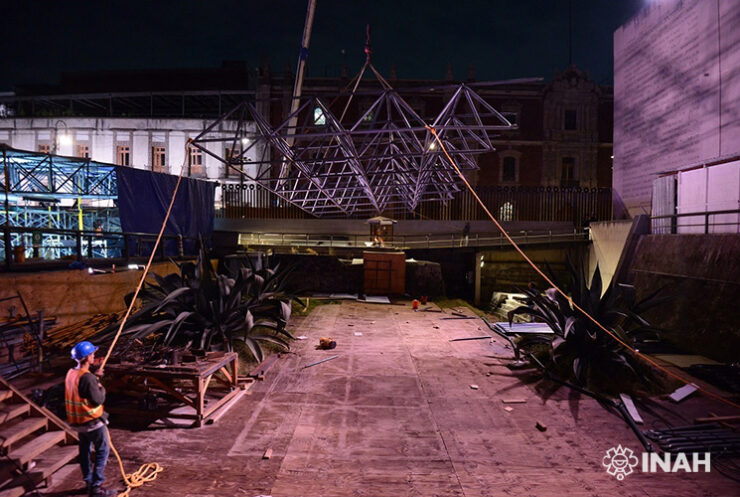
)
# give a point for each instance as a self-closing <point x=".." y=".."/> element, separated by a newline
<point x="82" y="350"/>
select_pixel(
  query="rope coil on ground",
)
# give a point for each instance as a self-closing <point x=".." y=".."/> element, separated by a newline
<point x="146" y="472"/>
<point x="637" y="353"/>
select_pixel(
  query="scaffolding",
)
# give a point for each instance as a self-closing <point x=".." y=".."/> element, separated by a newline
<point x="46" y="197"/>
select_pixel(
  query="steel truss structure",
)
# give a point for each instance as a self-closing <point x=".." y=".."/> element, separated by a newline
<point x="35" y="174"/>
<point x="387" y="158"/>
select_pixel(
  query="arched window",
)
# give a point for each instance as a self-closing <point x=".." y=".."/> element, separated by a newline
<point x="509" y="167"/>
<point x="508" y="170"/>
<point x="506" y="212"/>
<point x="319" y="118"/>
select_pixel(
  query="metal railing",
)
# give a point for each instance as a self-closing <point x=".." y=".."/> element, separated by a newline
<point x="25" y="245"/>
<point x="516" y="203"/>
<point x="408" y="242"/>
<point x="723" y="221"/>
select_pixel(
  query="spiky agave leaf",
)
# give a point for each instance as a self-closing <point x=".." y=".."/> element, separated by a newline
<point x="580" y="341"/>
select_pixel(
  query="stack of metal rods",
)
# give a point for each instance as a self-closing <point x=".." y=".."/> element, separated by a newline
<point x="711" y="437"/>
<point x="65" y="337"/>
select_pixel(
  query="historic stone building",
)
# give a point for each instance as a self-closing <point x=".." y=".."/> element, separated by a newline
<point x="142" y="118"/>
<point x="564" y="135"/>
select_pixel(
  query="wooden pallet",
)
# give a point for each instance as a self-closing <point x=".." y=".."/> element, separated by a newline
<point x="34" y="443"/>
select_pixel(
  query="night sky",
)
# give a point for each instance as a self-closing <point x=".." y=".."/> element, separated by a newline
<point x="501" y="38"/>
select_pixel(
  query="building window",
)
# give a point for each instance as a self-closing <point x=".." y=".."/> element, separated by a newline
<point x="506" y="212"/>
<point x="319" y="119"/>
<point x="233" y="162"/>
<point x="83" y="151"/>
<point x="512" y="117"/>
<point x="195" y="161"/>
<point x="123" y="155"/>
<point x="159" y="159"/>
<point x="570" y="119"/>
<point x="508" y="170"/>
<point x="44" y="148"/>
<point x="568" y="173"/>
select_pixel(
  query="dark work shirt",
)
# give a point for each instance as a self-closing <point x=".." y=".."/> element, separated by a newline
<point x="91" y="389"/>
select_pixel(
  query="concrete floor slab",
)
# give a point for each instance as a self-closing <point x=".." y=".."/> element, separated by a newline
<point x="394" y="415"/>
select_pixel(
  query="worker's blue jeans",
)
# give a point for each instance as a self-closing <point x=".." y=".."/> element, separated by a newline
<point x="97" y="440"/>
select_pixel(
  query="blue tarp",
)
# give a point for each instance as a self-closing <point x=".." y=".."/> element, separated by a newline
<point x="143" y="198"/>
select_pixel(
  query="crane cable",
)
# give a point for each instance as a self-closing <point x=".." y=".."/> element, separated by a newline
<point x="147" y="472"/>
<point x="561" y="292"/>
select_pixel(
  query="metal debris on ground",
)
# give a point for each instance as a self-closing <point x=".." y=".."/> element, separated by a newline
<point x="474" y="387"/>
<point x="375" y="299"/>
<point x="522" y="328"/>
<point x="514" y="401"/>
<point x="319" y="362"/>
<point x="469" y="338"/>
<point x="508" y="409"/>
<point x="631" y="409"/>
<point x="358" y="333"/>
<point x="681" y="393"/>
<point x="711" y="437"/>
<point x="540" y="426"/>
<point x="20" y="340"/>
<point x="267" y="454"/>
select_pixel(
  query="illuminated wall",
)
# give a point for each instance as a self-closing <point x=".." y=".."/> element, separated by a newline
<point x="676" y="92"/>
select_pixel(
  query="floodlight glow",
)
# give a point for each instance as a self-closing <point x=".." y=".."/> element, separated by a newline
<point x="245" y="141"/>
<point x="64" y="139"/>
<point x="432" y="146"/>
<point x="133" y="266"/>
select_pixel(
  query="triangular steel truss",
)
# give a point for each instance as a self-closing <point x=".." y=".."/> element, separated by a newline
<point x="388" y="158"/>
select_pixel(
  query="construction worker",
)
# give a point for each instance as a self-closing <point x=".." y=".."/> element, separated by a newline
<point x="83" y="399"/>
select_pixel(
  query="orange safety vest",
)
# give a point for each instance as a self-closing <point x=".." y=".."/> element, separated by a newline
<point x="79" y="410"/>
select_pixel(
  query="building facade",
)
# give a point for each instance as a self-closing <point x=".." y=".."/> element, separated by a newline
<point x="152" y="144"/>
<point x="563" y="135"/>
<point x="676" y="66"/>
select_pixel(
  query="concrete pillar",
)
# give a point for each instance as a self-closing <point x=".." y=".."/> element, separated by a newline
<point x="141" y="150"/>
<point x="65" y="143"/>
<point x="214" y="167"/>
<point x="101" y="146"/>
<point x="176" y="147"/>
<point x="24" y="139"/>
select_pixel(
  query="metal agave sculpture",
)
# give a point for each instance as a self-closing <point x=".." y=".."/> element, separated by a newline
<point x="200" y="308"/>
<point x="578" y="343"/>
